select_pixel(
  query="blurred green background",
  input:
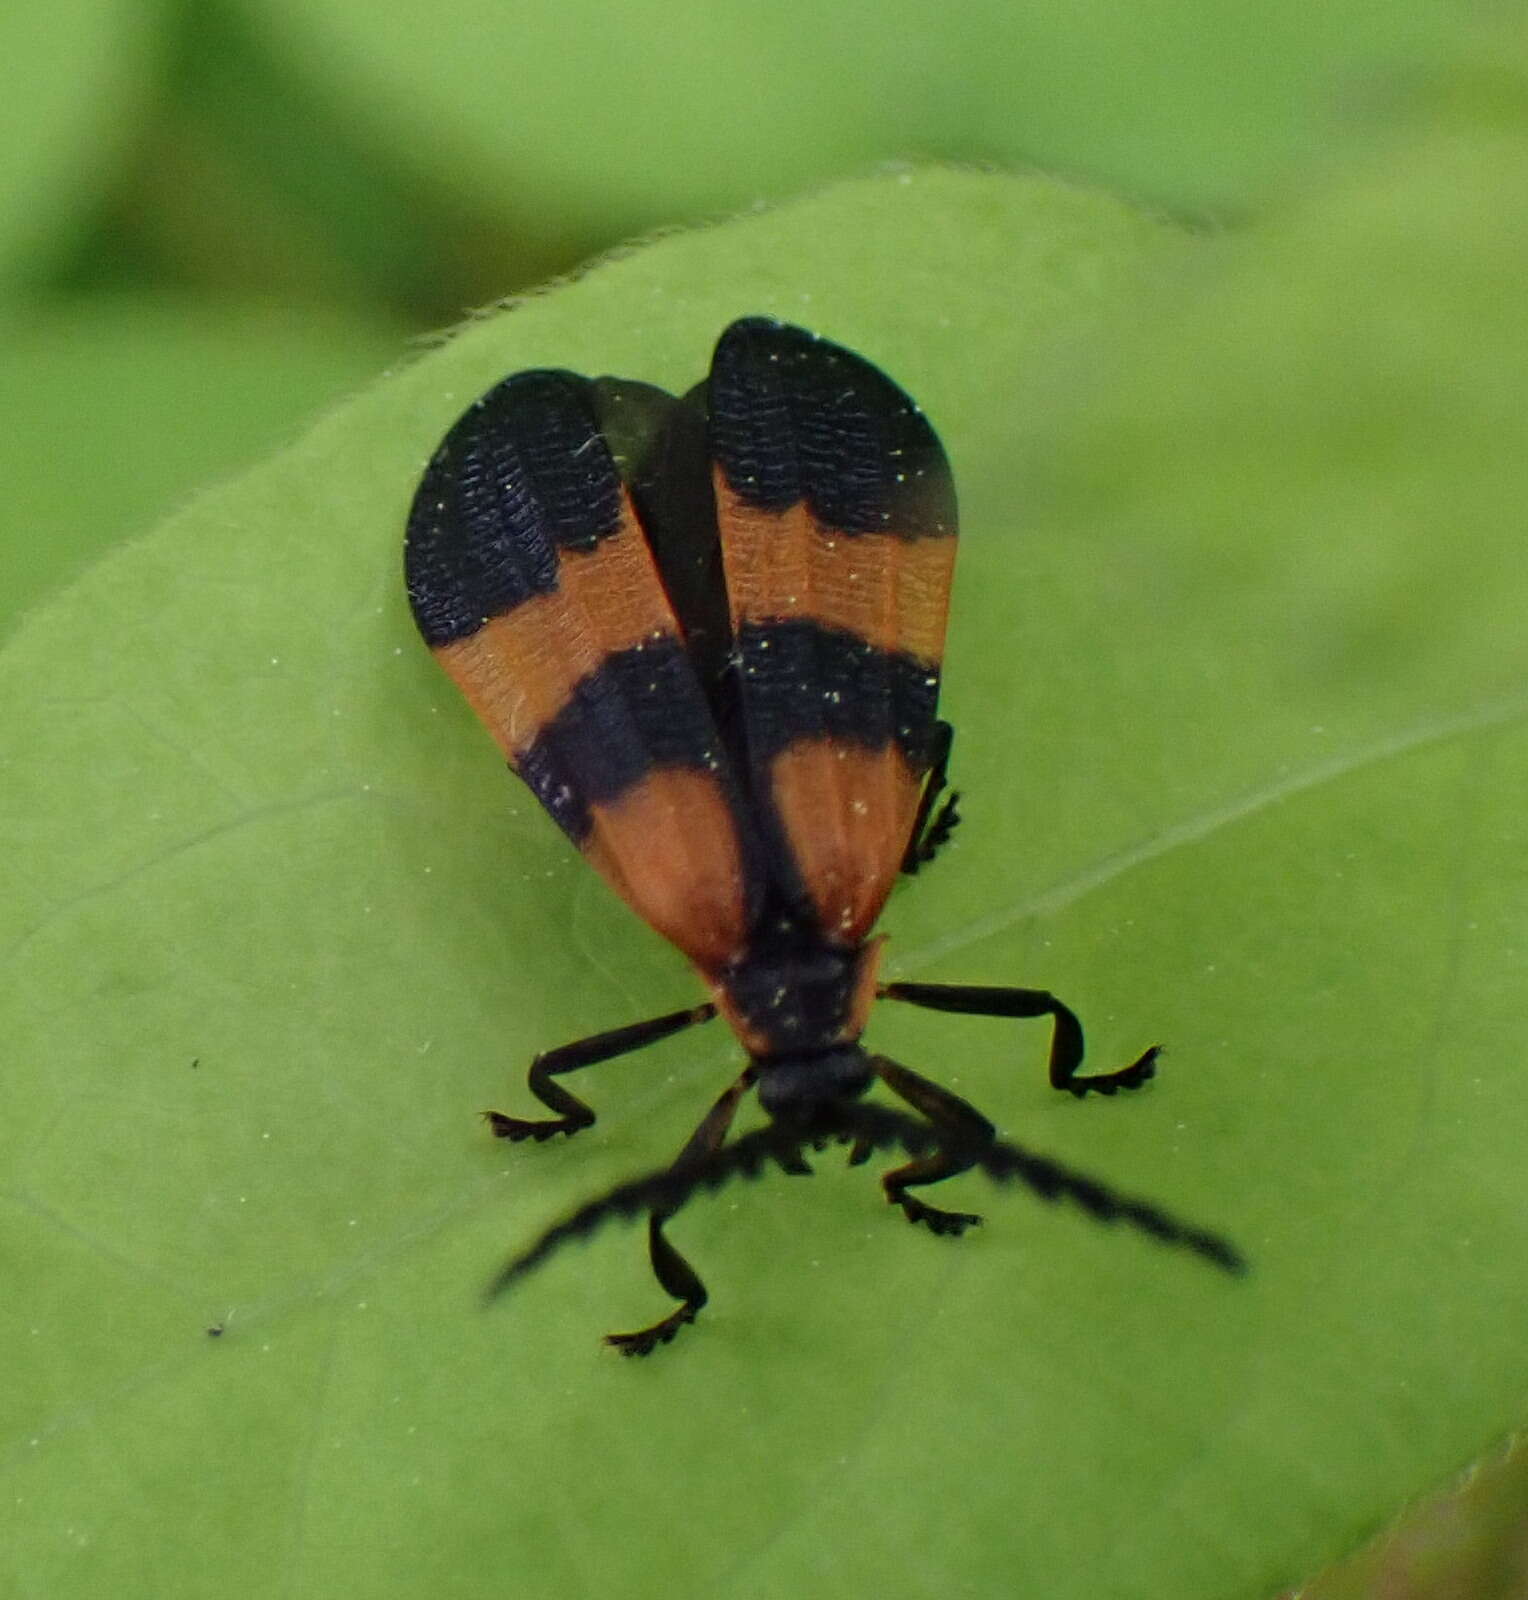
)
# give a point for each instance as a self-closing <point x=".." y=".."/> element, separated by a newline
<point x="214" y="217"/>
<point x="219" y="220"/>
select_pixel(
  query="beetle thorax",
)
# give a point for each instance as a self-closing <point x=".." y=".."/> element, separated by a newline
<point x="802" y="997"/>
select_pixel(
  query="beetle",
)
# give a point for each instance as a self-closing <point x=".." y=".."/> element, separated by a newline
<point x="707" y="634"/>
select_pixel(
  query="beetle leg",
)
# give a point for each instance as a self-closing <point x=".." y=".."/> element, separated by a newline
<point x="930" y="829"/>
<point x="969" y="1130"/>
<point x="1066" y="1039"/>
<point x="573" y="1114"/>
<point x="672" y="1271"/>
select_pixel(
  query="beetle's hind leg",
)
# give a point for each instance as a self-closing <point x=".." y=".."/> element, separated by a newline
<point x="672" y="1271"/>
<point x="970" y="1133"/>
<point x="932" y="828"/>
<point x="572" y="1114"/>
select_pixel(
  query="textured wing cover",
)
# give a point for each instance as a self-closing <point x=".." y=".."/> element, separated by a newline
<point x="837" y="518"/>
<point x="532" y="583"/>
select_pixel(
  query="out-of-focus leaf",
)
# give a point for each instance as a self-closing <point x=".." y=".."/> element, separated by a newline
<point x="76" y="73"/>
<point x="611" y="119"/>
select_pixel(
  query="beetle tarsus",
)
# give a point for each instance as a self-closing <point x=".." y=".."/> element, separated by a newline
<point x="516" y="1129"/>
<point x="1142" y="1070"/>
<point x="950" y="1224"/>
<point x="646" y="1340"/>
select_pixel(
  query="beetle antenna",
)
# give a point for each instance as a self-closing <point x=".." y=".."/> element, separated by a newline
<point x="663" y="1191"/>
<point x="871" y="1127"/>
<point x="1006" y="1162"/>
<point x="880" y="1127"/>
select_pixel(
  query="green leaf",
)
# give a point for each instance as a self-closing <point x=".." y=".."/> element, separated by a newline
<point x="610" y="119"/>
<point x="115" y="412"/>
<point x="75" y="72"/>
<point x="1240" y="731"/>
